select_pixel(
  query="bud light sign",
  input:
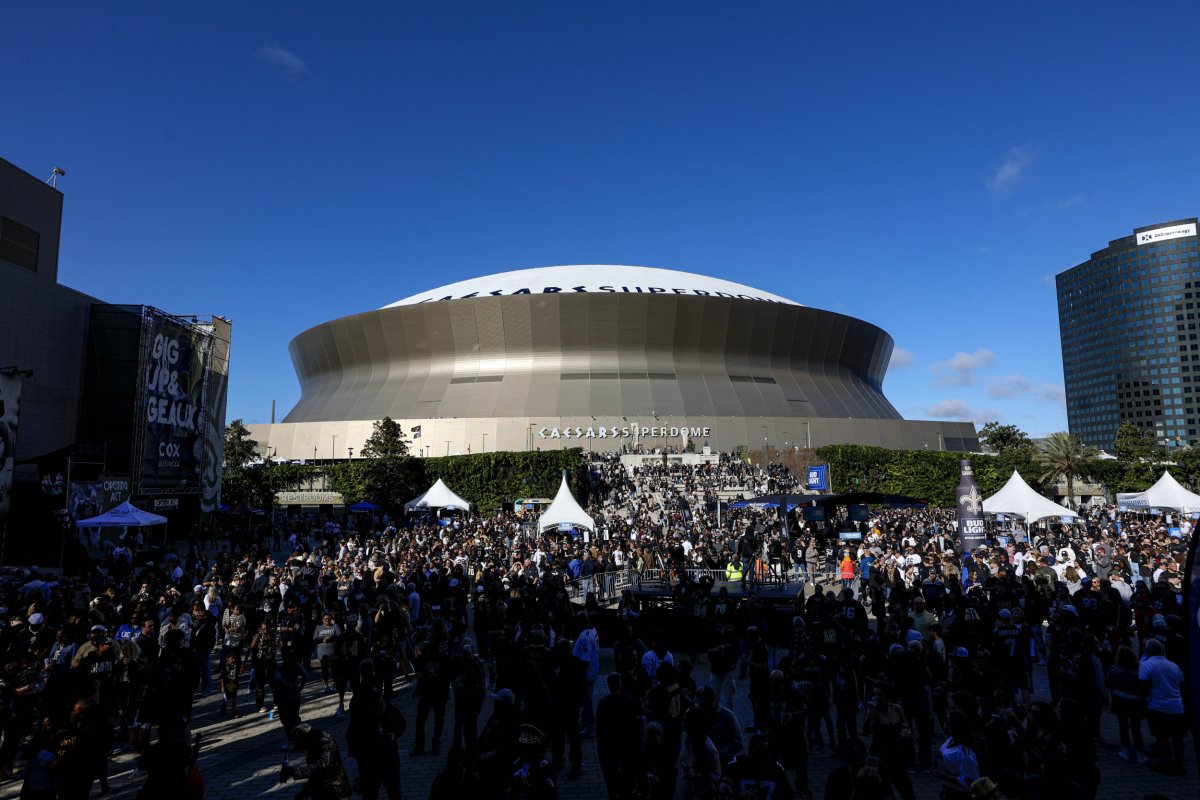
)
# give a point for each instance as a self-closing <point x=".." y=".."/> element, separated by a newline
<point x="818" y="478"/>
<point x="971" y="533"/>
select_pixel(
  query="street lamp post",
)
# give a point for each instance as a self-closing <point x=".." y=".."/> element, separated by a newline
<point x="350" y="451"/>
<point x="333" y="448"/>
<point x="484" y="448"/>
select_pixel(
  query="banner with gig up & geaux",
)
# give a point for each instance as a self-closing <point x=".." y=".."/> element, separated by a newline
<point x="10" y="406"/>
<point x="969" y="501"/>
<point x="169" y="454"/>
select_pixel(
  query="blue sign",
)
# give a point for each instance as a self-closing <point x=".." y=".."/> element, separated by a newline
<point x="1175" y="533"/>
<point x="1066" y="520"/>
<point x="850" y="536"/>
<point x="818" y="478"/>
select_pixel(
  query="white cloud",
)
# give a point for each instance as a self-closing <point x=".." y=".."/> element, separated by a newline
<point x="900" y="358"/>
<point x="957" y="410"/>
<point x="1011" y="170"/>
<point x="285" y="60"/>
<point x="1020" y="386"/>
<point x="1077" y="199"/>
<point x="959" y="369"/>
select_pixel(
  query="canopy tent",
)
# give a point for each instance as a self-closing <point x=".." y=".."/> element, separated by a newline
<point x="367" y="506"/>
<point x="797" y="499"/>
<point x="438" y="496"/>
<point x="564" y="511"/>
<point x="769" y="501"/>
<point x="1017" y="498"/>
<point x="1166" y="493"/>
<point x="125" y="515"/>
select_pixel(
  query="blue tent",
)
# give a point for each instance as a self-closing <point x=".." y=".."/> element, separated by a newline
<point x="364" y="506"/>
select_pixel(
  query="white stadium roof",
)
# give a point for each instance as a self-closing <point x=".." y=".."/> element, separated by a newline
<point x="591" y="278"/>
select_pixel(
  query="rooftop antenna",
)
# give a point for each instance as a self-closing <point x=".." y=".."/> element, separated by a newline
<point x="53" y="180"/>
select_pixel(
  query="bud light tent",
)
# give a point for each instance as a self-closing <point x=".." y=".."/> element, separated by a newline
<point x="1017" y="498"/>
<point x="565" y="511"/>
<point x="1166" y="493"/>
<point x="438" y="496"/>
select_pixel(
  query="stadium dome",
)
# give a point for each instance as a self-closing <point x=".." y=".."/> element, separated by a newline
<point x="602" y="356"/>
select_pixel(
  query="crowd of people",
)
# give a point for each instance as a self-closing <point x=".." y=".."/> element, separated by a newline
<point x="891" y="649"/>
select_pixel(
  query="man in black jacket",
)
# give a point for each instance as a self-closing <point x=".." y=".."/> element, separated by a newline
<point x="618" y="737"/>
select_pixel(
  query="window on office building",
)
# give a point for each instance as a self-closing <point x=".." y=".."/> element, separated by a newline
<point x="19" y="244"/>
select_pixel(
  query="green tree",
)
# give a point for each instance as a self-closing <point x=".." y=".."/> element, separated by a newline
<point x="1064" y="454"/>
<point x="238" y="478"/>
<point x="1188" y="461"/>
<point x="1003" y="439"/>
<point x="388" y="474"/>
<point x="1135" y="444"/>
<point x="386" y="440"/>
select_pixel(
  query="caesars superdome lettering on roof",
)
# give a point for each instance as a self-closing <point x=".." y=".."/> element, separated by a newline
<point x="593" y="279"/>
<point x="586" y="289"/>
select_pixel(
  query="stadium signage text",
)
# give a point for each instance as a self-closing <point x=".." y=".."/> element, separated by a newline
<point x="615" y="432"/>
<point x="1162" y="234"/>
<point x="606" y="289"/>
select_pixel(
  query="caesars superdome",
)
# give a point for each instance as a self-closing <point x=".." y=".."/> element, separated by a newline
<point x="602" y="357"/>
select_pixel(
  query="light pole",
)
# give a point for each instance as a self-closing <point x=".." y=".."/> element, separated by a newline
<point x="350" y="450"/>
<point x="484" y="448"/>
<point x="448" y="446"/>
<point x="530" y="439"/>
<point x="333" y="448"/>
<point x="807" y="435"/>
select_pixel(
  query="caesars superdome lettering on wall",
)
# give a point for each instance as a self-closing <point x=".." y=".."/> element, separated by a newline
<point x="620" y="432"/>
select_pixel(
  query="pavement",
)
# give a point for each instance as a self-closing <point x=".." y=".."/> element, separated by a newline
<point x="241" y="758"/>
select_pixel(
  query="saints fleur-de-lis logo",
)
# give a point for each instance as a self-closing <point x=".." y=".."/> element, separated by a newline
<point x="973" y="500"/>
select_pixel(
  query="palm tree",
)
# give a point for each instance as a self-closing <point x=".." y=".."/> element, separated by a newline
<point x="1064" y="454"/>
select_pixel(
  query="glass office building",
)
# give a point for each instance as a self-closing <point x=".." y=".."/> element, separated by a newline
<point x="1130" y="344"/>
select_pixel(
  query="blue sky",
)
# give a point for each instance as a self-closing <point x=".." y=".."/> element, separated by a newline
<point x="925" y="166"/>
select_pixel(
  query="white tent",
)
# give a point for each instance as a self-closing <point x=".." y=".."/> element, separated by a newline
<point x="564" y="510"/>
<point x="1166" y="493"/>
<point x="125" y="515"/>
<point x="1017" y="498"/>
<point x="438" y="496"/>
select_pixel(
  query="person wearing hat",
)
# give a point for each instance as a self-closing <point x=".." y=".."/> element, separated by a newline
<point x="984" y="789"/>
<point x="96" y="655"/>
<point x="1011" y="654"/>
<point x="322" y="766"/>
<point x="532" y="775"/>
